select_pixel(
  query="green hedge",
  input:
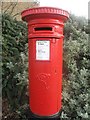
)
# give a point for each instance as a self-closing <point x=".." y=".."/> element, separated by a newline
<point x="14" y="39"/>
<point x="76" y="90"/>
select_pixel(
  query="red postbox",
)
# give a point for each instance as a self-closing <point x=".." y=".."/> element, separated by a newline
<point x="45" y="39"/>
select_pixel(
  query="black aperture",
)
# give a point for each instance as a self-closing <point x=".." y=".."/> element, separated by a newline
<point x="43" y="29"/>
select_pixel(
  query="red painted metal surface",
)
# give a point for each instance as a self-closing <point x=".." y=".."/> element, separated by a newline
<point x="45" y="38"/>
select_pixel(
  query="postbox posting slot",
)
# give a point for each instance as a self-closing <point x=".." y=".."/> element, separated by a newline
<point x="43" y="28"/>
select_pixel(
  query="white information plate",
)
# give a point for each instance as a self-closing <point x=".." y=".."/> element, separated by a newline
<point x="42" y="50"/>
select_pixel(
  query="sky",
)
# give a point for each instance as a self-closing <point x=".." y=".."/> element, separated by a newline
<point x="77" y="7"/>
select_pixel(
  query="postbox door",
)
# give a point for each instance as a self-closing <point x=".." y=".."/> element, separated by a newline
<point x="45" y="75"/>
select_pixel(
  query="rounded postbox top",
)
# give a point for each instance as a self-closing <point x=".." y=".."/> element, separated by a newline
<point x="44" y="12"/>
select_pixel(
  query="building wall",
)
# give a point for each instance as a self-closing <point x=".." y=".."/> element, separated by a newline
<point x="15" y="8"/>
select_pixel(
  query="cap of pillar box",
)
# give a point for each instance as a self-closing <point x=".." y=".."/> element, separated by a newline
<point x="44" y="12"/>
